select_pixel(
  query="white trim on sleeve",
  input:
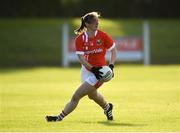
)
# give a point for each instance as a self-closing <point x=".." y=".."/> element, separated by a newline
<point x="109" y="49"/>
<point x="80" y="52"/>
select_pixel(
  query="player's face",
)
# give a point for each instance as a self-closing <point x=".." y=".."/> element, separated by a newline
<point x="93" y="25"/>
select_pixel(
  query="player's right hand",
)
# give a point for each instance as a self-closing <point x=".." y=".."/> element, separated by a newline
<point x="96" y="72"/>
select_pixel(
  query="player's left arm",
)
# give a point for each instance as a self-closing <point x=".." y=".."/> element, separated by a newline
<point x="113" y="53"/>
<point x="112" y="60"/>
<point x="111" y="47"/>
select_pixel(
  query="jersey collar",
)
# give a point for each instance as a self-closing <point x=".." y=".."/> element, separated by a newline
<point x="86" y="35"/>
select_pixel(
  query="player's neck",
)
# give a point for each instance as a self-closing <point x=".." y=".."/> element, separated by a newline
<point x="91" y="33"/>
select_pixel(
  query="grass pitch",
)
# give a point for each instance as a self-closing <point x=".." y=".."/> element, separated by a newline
<point x="144" y="98"/>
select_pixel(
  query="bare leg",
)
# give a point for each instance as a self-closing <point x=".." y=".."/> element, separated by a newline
<point x="83" y="90"/>
<point x="98" y="98"/>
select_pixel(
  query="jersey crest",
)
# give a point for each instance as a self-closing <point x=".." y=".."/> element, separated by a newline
<point x="98" y="42"/>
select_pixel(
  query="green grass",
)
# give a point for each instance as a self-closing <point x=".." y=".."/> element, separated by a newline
<point x="32" y="42"/>
<point x="144" y="98"/>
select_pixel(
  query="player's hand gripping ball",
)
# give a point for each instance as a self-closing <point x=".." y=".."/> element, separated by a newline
<point x="107" y="73"/>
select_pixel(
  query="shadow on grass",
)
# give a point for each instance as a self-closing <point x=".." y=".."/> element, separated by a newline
<point x="113" y="123"/>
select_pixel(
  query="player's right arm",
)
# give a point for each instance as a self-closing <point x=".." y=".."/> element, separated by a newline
<point x="88" y="66"/>
<point x="83" y="61"/>
<point x="80" y="52"/>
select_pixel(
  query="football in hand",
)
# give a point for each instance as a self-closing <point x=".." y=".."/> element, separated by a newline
<point x="107" y="73"/>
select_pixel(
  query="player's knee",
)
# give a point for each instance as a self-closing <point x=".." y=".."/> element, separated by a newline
<point x="92" y="97"/>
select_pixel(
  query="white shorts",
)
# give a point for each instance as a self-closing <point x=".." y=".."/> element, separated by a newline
<point x="89" y="77"/>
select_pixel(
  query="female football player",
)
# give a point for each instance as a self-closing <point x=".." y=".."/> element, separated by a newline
<point x="91" y="45"/>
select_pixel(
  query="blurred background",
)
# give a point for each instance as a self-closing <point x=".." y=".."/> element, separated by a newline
<point x="34" y="84"/>
<point x="31" y="30"/>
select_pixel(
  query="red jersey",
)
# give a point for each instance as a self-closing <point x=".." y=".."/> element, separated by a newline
<point x="94" y="49"/>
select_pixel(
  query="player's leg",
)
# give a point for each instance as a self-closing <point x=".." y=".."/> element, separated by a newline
<point x="83" y="90"/>
<point x="99" y="99"/>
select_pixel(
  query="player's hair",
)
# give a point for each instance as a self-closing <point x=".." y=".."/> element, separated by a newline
<point x="86" y="19"/>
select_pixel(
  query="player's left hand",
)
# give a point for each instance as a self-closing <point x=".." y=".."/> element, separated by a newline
<point x="112" y="67"/>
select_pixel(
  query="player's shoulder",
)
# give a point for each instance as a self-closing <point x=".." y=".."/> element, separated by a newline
<point x="102" y="33"/>
<point x="79" y="37"/>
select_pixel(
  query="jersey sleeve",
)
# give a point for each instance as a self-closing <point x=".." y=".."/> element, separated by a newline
<point x="109" y="44"/>
<point x="79" y="46"/>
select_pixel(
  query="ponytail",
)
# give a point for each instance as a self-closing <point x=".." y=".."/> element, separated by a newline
<point x="81" y="28"/>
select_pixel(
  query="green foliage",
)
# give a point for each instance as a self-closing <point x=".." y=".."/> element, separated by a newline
<point x="165" y="41"/>
<point x="30" y="42"/>
<point x="144" y="98"/>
